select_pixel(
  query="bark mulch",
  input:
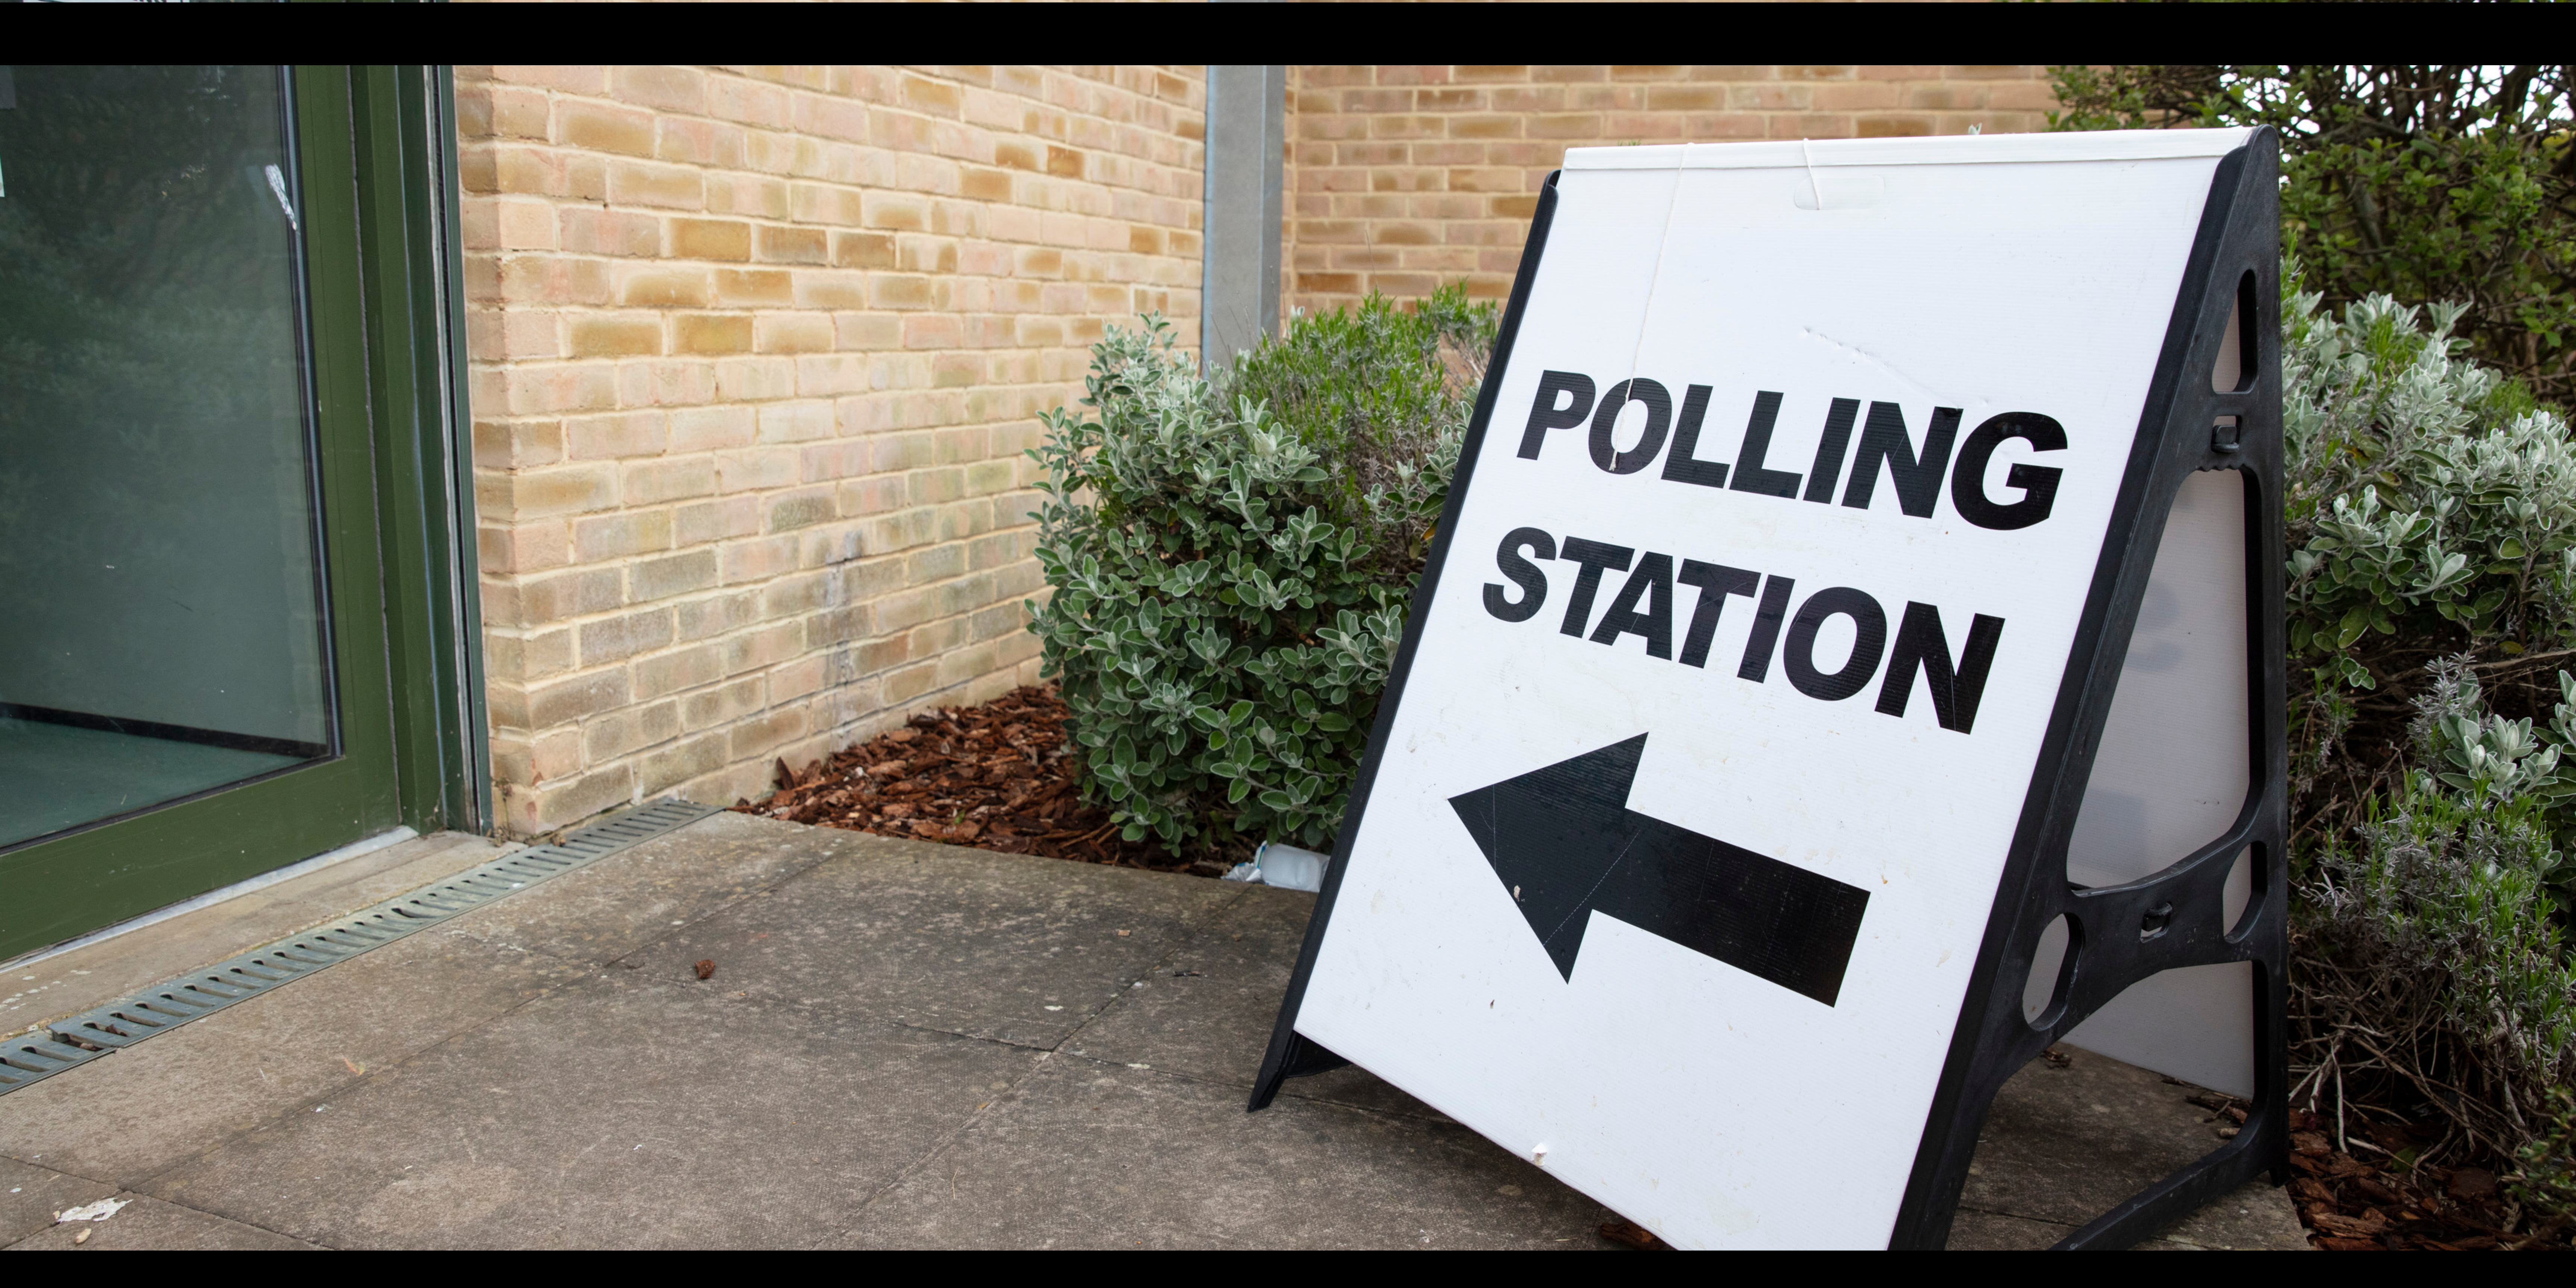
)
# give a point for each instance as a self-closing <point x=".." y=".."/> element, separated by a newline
<point x="1000" y="776"/>
<point x="2358" y="1204"/>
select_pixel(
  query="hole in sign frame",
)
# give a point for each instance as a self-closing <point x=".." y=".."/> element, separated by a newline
<point x="2052" y="967"/>
<point x="2234" y="371"/>
<point x="2246" y="879"/>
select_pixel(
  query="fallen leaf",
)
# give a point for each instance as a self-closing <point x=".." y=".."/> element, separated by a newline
<point x="2473" y="1185"/>
<point x="2311" y="1143"/>
<point x="706" y="968"/>
<point x="82" y="1237"/>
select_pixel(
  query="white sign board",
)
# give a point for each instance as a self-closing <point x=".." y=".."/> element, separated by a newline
<point x="1759" y="595"/>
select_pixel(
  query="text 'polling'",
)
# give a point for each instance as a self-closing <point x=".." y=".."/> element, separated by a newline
<point x="1566" y="400"/>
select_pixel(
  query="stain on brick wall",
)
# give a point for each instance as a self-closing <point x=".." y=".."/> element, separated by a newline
<point x="755" y="353"/>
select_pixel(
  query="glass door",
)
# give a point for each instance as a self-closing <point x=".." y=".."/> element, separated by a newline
<point x="192" y="655"/>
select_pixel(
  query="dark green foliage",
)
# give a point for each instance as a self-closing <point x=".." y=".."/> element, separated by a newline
<point x="2545" y="1178"/>
<point x="2426" y="183"/>
<point x="1230" y="565"/>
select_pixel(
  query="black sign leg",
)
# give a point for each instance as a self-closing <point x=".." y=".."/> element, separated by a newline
<point x="2187" y="427"/>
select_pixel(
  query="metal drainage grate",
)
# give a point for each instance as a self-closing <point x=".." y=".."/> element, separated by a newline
<point x="84" y="1037"/>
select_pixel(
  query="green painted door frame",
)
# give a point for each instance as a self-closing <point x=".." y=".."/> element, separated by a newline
<point x="413" y="267"/>
<point x="376" y="148"/>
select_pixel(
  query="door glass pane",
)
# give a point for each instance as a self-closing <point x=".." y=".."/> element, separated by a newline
<point x="162" y="629"/>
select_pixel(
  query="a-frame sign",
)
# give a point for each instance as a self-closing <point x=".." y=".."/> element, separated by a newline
<point x="1850" y="661"/>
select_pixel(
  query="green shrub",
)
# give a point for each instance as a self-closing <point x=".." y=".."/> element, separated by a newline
<point x="2431" y="510"/>
<point x="2431" y="515"/>
<point x="1230" y="565"/>
<point x="2423" y="182"/>
<point x="2436" y="950"/>
<point x="2429" y="502"/>
<point x="2544" y="1178"/>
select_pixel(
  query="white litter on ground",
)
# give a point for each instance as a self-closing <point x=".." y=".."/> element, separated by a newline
<point x="99" y="1211"/>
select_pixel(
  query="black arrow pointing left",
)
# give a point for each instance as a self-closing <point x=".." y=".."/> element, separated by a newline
<point x="1565" y="844"/>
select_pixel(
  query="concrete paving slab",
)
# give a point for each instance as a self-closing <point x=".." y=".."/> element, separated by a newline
<point x="1094" y="1155"/>
<point x="620" y="903"/>
<point x="2251" y="1220"/>
<point x="31" y="1196"/>
<point x="1207" y="1008"/>
<point x="489" y="1082"/>
<point x="146" y="1224"/>
<point x="2064" y="1145"/>
<point x="111" y="968"/>
<point x="1973" y="1231"/>
<point x="2068" y="1144"/>
<point x="615" y="1113"/>
<point x="998" y="946"/>
<point x="2257" y="1217"/>
<point x="137" y="1111"/>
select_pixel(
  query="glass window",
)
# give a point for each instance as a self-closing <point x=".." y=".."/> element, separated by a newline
<point x="162" y="623"/>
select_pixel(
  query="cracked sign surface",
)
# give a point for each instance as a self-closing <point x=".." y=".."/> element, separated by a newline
<point x="1757" y="591"/>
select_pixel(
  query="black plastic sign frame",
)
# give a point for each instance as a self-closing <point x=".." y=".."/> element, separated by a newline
<point x="2118" y="935"/>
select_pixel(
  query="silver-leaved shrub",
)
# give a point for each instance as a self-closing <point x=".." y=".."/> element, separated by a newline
<point x="2435" y="947"/>
<point x="1230" y="562"/>
<point x="2432" y="533"/>
<point x="2429" y="499"/>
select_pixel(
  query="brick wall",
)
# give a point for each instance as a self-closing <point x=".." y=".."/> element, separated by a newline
<point x="1401" y="178"/>
<point x="754" y="354"/>
<point x="755" y="351"/>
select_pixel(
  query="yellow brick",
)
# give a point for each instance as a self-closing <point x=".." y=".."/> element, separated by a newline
<point x="1885" y="125"/>
<point x="1019" y="154"/>
<point x="776" y="244"/>
<point x="599" y="127"/>
<point x="711" y="333"/>
<point x="667" y="288"/>
<point x="676" y="89"/>
<point x="615" y="337"/>
<point x="754" y="286"/>
<point x="924" y="95"/>
<point x="640" y="183"/>
<point x="710" y="239"/>
<point x="793" y="334"/>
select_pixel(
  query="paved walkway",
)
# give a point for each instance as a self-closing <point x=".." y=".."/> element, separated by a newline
<point x="903" y="1045"/>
